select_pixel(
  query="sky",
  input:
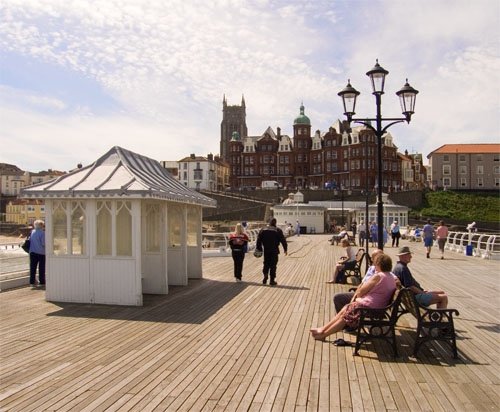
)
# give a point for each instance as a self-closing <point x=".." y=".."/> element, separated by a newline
<point x="79" y="77"/>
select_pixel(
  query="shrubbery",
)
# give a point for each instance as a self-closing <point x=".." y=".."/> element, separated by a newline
<point x="462" y="206"/>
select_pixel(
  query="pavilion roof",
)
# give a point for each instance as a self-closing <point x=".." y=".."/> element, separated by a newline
<point x="119" y="173"/>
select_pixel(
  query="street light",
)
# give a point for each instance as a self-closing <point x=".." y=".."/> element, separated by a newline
<point x="407" y="96"/>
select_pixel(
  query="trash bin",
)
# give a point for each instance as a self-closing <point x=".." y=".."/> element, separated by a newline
<point x="303" y="230"/>
<point x="468" y="250"/>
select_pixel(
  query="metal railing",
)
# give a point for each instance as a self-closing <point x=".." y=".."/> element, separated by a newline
<point x="483" y="245"/>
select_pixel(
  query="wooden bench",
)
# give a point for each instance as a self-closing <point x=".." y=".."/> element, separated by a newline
<point x="379" y="323"/>
<point x="335" y="239"/>
<point x="356" y="270"/>
<point x="432" y="324"/>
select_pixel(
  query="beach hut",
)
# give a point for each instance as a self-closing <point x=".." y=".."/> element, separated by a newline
<point x="118" y="228"/>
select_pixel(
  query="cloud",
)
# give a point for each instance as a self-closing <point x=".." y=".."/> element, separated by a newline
<point x="162" y="69"/>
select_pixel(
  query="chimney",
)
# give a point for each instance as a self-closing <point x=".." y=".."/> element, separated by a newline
<point x="210" y="157"/>
<point x="192" y="156"/>
<point x="278" y="132"/>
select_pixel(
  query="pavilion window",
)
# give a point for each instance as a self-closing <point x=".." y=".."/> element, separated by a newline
<point x="123" y="228"/>
<point x="174" y="225"/>
<point x="60" y="228"/>
<point x="78" y="229"/>
<point x="153" y="228"/>
<point x="104" y="224"/>
<point x="193" y="219"/>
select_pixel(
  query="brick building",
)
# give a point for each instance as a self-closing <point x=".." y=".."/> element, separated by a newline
<point x="344" y="157"/>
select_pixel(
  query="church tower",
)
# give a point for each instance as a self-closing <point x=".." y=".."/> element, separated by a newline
<point x="233" y="120"/>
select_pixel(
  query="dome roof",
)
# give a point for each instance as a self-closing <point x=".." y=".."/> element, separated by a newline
<point x="302" y="118"/>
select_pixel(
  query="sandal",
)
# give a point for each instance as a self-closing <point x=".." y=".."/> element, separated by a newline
<point x="342" y="342"/>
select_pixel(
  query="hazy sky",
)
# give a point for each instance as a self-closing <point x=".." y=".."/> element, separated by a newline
<point x="78" y="77"/>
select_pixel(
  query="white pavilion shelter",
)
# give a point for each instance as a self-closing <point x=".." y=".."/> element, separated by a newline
<point x="118" y="228"/>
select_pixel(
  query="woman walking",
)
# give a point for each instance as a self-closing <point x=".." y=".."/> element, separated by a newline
<point x="441" y="236"/>
<point x="238" y="241"/>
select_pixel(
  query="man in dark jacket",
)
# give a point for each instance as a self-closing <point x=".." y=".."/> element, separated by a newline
<point x="270" y="238"/>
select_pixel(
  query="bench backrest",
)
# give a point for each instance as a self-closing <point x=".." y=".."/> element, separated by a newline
<point x="410" y="303"/>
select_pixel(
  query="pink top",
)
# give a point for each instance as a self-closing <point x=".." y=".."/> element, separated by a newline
<point x="380" y="295"/>
<point x="441" y="232"/>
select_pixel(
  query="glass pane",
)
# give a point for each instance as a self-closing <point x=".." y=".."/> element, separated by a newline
<point x="153" y="228"/>
<point x="123" y="229"/>
<point x="174" y="225"/>
<point x="103" y="223"/>
<point x="78" y="229"/>
<point x="193" y="226"/>
<point x="59" y="229"/>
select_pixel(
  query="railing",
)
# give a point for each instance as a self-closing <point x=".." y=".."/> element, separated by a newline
<point x="483" y="245"/>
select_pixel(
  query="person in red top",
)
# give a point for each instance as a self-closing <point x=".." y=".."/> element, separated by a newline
<point x="238" y="241"/>
<point x="441" y="236"/>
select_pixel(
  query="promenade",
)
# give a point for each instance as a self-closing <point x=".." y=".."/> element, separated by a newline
<point x="217" y="345"/>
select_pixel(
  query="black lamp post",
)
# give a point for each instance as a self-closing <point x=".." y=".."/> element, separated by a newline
<point x="407" y="96"/>
<point x="342" y="200"/>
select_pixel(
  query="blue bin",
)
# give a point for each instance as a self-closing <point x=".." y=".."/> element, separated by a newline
<point x="468" y="250"/>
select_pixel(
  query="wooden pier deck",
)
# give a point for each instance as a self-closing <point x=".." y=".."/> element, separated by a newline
<point x="217" y="345"/>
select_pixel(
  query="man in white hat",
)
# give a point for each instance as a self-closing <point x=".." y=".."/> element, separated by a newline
<point x="424" y="297"/>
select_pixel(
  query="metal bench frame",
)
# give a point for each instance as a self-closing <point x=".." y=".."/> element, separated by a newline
<point x="432" y="324"/>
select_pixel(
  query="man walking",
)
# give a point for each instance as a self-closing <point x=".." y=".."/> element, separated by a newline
<point x="270" y="238"/>
<point x="428" y="233"/>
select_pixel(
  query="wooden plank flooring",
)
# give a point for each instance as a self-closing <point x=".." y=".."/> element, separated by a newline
<point x="217" y="345"/>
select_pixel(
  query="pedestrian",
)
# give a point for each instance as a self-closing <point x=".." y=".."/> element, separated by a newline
<point x="362" y="232"/>
<point x="297" y="228"/>
<point x="354" y="228"/>
<point x="270" y="238"/>
<point x="238" y="242"/>
<point x="441" y="236"/>
<point x="428" y="234"/>
<point x="374" y="234"/>
<point x="37" y="253"/>
<point x="395" y="233"/>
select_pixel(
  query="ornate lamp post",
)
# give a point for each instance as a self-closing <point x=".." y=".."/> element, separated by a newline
<point x="407" y="96"/>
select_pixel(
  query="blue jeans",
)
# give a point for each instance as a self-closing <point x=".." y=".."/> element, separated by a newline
<point x="37" y="260"/>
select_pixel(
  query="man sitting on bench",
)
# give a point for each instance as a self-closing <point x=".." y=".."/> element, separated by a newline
<point x="424" y="297"/>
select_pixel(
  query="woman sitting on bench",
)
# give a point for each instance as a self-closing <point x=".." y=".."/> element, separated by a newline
<point x="348" y="261"/>
<point x="374" y="293"/>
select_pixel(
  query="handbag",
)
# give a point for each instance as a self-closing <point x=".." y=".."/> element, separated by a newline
<point x="26" y="245"/>
<point x="257" y="253"/>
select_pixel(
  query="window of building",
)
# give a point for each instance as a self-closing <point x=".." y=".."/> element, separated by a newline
<point x="463" y="181"/>
<point x="103" y="225"/>
<point x="496" y="169"/>
<point x="497" y="181"/>
<point x="446" y="182"/>
<point x="479" y="157"/>
<point x="479" y="169"/>
<point x="446" y="158"/>
<point x="59" y="229"/>
<point x="193" y="221"/>
<point x="479" y="182"/>
<point x="462" y="169"/>
<point x="446" y="170"/>
<point x="174" y="223"/>
<point x="123" y="228"/>
<point x="78" y="229"/>
<point x="496" y="158"/>
<point x="185" y="165"/>
<point x="153" y="228"/>
<point x="461" y="158"/>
